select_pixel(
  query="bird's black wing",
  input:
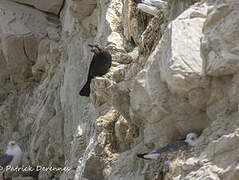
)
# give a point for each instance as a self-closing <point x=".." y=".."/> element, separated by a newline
<point x="85" y="91"/>
<point x="107" y="61"/>
<point x="100" y="64"/>
<point x="5" y="160"/>
<point x="93" y="67"/>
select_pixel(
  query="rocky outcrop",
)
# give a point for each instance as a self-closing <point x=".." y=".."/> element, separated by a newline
<point x="172" y="74"/>
<point x="219" y="45"/>
<point x="53" y="6"/>
<point x="180" y="61"/>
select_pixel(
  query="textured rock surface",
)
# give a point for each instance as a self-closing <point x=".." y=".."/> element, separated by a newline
<point x="171" y="74"/>
<point x="82" y="9"/>
<point x="53" y="6"/>
<point x="180" y="63"/>
<point x="220" y="47"/>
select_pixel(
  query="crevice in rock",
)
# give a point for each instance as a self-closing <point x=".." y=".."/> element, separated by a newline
<point x="25" y="53"/>
<point x="62" y="6"/>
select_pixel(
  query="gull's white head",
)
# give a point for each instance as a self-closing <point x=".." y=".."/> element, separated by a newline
<point x="11" y="144"/>
<point x="14" y="150"/>
<point x="191" y="139"/>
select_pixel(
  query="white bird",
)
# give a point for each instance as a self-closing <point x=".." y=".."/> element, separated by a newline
<point x="151" y="6"/>
<point x="12" y="156"/>
<point x="191" y="140"/>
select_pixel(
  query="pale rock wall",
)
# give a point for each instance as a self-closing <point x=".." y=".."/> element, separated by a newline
<point x="30" y="112"/>
<point x="171" y="74"/>
<point x="53" y="6"/>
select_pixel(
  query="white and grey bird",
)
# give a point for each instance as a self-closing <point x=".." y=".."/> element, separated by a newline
<point x="191" y="140"/>
<point x="12" y="156"/>
<point x="151" y="6"/>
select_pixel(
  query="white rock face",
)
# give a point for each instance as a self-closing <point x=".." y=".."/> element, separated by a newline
<point x="152" y="103"/>
<point x="180" y="63"/>
<point x="81" y="9"/>
<point x="220" y="42"/>
<point x="19" y="20"/>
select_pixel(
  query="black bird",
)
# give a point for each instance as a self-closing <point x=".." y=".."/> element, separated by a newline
<point x="99" y="66"/>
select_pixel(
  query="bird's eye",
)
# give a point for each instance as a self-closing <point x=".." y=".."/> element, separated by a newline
<point x="193" y="138"/>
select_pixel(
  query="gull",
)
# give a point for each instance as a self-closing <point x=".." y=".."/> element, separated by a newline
<point x="12" y="157"/>
<point x="191" y="140"/>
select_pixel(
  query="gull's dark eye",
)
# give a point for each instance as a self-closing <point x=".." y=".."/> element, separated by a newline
<point x="193" y="138"/>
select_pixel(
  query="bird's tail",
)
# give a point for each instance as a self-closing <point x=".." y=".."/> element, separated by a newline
<point x="138" y="1"/>
<point x="142" y="156"/>
<point x="85" y="91"/>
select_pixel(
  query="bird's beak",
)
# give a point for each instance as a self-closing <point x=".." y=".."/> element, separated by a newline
<point x="95" y="50"/>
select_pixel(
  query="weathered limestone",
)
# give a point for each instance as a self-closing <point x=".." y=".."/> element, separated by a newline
<point x="48" y="54"/>
<point x="82" y="8"/>
<point x="17" y="19"/>
<point x="16" y="59"/>
<point x="21" y="30"/>
<point x="180" y="63"/>
<point x="4" y="77"/>
<point x="52" y="6"/>
<point x="22" y="112"/>
<point x="215" y="159"/>
<point x="151" y="102"/>
<point x="220" y="42"/>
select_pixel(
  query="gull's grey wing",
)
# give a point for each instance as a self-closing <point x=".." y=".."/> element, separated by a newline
<point x="173" y="146"/>
<point x="5" y="160"/>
